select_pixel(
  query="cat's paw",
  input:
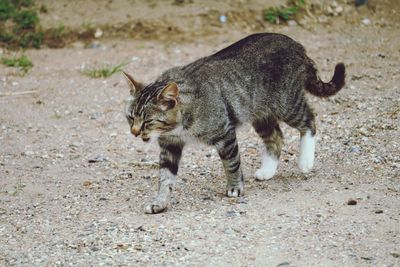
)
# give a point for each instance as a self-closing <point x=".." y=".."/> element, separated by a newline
<point x="156" y="206"/>
<point x="235" y="191"/>
<point x="306" y="164"/>
<point x="263" y="174"/>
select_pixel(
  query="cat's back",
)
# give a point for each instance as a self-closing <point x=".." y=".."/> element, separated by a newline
<point x="257" y="45"/>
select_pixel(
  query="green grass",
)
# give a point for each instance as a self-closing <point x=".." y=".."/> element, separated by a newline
<point x="18" y="188"/>
<point x="103" y="72"/>
<point x="22" y="62"/>
<point x="58" y="32"/>
<point x="284" y="13"/>
<point x="24" y="31"/>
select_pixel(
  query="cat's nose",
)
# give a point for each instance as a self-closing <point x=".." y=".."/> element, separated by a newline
<point x="135" y="131"/>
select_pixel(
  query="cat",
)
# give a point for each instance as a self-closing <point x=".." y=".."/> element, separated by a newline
<point x="260" y="79"/>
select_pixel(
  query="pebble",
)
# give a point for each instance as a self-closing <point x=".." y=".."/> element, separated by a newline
<point x="231" y="213"/>
<point x="223" y="19"/>
<point x="95" y="115"/>
<point x="292" y="23"/>
<point x="98" y="33"/>
<point x="366" y="22"/>
<point x="355" y="149"/>
<point x="134" y="59"/>
<point x="229" y="231"/>
<point x="113" y="135"/>
<point x="352" y="202"/>
<point x="98" y="158"/>
<point x="28" y="153"/>
<point x="282" y="264"/>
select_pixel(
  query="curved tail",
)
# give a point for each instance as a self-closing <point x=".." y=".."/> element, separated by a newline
<point x="318" y="88"/>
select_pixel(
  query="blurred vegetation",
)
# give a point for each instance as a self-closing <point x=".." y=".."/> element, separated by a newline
<point x="22" y="62"/>
<point x="19" y="24"/>
<point x="284" y="13"/>
<point x="104" y="72"/>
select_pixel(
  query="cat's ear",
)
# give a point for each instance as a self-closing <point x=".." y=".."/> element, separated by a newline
<point x="133" y="85"/>
<point x="168" y="96"/>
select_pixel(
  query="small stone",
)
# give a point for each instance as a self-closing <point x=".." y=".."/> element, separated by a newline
<point x="395" y="254"/>
<point x="366" y="22"/>
<point x="95" y="115"/>
<point x="352" y="202"/>
<point x="28" y="153"/>
<point x="354" y="149"/>
<point x="60" y="156"/>
<point x="94" y="248"/>
<point x="113" y="135"/>
<point x="135" y="59"/>
<point x="339" y="10"/>
<point x="122" y="246"/>
<point x="229" y="231"/>
<point x="231" y="213"/>
<point x="292" y="23"/>
<point x="138" y="247"/>
<point x="87" y="183"/>
<point x="282" y="264"/>
<point x="366" y="258"/>
<point x="329" y="11"/>
<point x="98" y="33"/>
<point x="98" y="158"/>
<point x="223" y="18"/>
<point x="379" y="211"/>
<point x="14" y="83"/>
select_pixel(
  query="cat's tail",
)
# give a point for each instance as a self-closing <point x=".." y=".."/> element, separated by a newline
<point x="315" y="86"/>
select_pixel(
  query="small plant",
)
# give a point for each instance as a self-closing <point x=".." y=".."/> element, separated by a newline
<point x="24" y="31"/>
<point x="284" y="13"/>
<point x="22" y="62"/>
<point x="58" y="32"/>
<point x="18" y="188"/>
<point x="25" y="20"/>
<point x="104" y="72"/>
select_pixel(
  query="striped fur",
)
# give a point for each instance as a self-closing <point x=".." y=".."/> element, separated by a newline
<point x="261" y="80"/>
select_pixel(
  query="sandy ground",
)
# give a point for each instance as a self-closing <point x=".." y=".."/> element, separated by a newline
<point x="59" y="209"/>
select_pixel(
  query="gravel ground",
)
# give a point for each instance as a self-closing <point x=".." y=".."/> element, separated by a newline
<point x="74" y="181"/>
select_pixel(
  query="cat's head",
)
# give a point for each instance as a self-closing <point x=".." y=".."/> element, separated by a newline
<point x="152" y="110"/>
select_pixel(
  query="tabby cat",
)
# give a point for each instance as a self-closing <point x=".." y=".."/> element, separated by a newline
<point x="260" y="79"/>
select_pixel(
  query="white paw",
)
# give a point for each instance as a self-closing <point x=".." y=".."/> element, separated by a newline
<point x="264" y="174"/>
<point x="306" y="164"/>
<point x="155" y="207"/>
<point x="307" y="149"/>
<point x="268" y="167"/>
<point x="235" y="191"/>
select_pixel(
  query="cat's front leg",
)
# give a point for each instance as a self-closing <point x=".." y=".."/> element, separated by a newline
<point x="170" y="155"/>
<point x="228" y="151"/>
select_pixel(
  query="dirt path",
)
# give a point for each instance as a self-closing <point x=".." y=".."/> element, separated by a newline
<point x="57" y="209"/>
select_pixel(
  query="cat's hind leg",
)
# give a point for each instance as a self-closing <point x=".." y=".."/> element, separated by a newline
<point x="170" y="155"/>
<point x="269" y="131"/>
<point x="303" y="119"/>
